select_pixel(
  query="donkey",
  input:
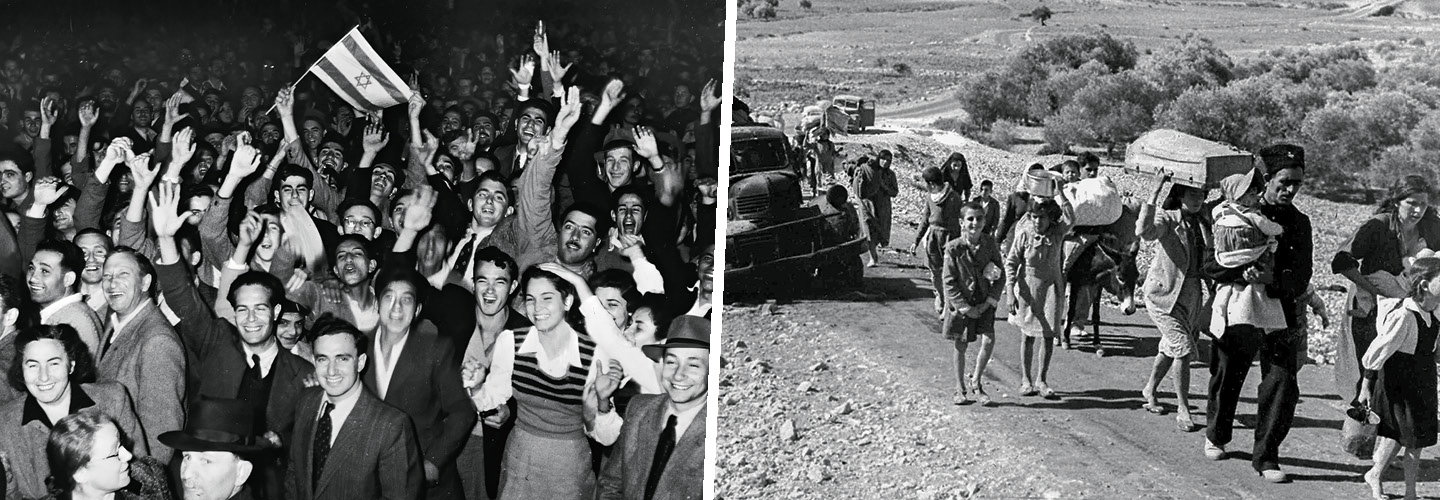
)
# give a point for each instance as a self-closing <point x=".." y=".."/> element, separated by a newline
<point x="1109" y="264"/>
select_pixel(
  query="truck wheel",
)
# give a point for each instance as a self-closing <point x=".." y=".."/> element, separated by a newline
<point x="852" y="272"/>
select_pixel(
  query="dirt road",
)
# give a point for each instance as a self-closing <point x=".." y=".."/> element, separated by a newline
<point x="875" y="421"/>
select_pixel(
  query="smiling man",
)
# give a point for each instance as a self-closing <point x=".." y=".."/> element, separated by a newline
<point x="143" y="351"/>
<point x="533" y="119"/>
<point x="661" y="450"/>
<point x="53" y="276"/>
<point x="239" y="358"/>
<point x="415" y="370"/>
<point x="348" y="443"/>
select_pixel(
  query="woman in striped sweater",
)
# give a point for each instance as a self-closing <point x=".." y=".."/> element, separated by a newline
<point x="561" y="373"/>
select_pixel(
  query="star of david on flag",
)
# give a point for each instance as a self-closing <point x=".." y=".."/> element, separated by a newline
<point x="357" y="73"/>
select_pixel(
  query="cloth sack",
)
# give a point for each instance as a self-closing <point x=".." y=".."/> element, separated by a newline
<point x="1097" y="201"/>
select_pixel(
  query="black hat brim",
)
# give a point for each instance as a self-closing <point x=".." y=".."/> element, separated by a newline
<point x="181" y="441"/>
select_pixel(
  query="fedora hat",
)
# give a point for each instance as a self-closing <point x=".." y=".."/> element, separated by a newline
<point x="685" y="331"/>
<point x="216" y="425"/>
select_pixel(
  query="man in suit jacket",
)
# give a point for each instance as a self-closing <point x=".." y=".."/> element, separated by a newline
<point x="661" y="450"/>
<point x="371" y="451"/>
<point x="141" y="349"/>
<point x="695" y="301"/>
<point x="243" y="360"/>
<point x="53" y="276"/>
<point x="415" y="370"/>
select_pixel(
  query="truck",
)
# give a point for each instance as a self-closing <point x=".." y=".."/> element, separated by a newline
<point x="778" y="239"/>
<point x="861" y="111"/>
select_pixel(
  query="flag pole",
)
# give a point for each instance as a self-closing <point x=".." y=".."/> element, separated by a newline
<point x="307" y="71"/>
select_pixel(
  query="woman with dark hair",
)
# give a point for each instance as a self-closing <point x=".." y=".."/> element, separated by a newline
<point x="1173" y="292"/>
<point x="957" y="173"/>
<point x="89" y="461"/>
<point x="562" y="373"/>
<point x="1372" y="260"/>
<point x="55" y="368"/>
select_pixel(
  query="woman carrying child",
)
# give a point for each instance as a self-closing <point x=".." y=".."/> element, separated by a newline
<point x="1173" y="292"/>
<point x="1036" y="282"/>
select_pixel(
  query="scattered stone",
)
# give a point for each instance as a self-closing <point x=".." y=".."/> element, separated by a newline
<point x="740" y="344"/>
<point x="768" y="307"/>
<point x="820" y="366"/>
<point x="787" y="431"/>
<point x="804" y="386"/>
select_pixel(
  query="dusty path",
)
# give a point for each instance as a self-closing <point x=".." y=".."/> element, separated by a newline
<point x="1095" y="442"/>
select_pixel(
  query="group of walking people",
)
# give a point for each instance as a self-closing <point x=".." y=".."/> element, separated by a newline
<point x="1235" y="268"/>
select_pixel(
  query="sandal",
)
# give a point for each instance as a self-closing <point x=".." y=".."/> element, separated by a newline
<point x="1184" y="423"/>
<point x="962" y="399"/>
<point x="1155" y="408"/>
<point x="983" y="398"/>
<point x="1027" y="390"/>
<point x="1045" y="391"/>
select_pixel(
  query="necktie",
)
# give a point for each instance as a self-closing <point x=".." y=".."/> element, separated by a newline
<point x="662" y="455"/>
<point x="322" y="444"/>
<point x="105" y="338"/>
<point x="462" y="260"/>
<point x="255" y="373"/>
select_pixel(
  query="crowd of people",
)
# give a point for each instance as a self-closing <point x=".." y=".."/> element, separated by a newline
<point x="1233" y="266"/>
<point x="219" y="284"/>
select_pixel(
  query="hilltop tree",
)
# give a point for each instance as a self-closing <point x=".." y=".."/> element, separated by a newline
<point x="1114" y="109"/>
<point x="1195" y="62"/>
<point x="1042" y="14"/>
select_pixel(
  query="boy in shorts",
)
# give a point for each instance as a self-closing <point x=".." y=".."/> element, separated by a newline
<point x="973" y="281"/>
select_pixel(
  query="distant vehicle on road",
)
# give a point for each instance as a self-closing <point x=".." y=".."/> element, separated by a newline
<point x="861" y="111"/>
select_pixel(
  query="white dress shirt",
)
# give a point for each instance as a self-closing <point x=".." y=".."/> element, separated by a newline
<point x="342" y="410"/>
<point x="385" y="365"/>
<point x="56" y="306"/>
<point x="683" y="419"/>
<point x="267" y="357"/>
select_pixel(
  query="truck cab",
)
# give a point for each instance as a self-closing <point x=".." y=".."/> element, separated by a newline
<point x="861" y="111"/>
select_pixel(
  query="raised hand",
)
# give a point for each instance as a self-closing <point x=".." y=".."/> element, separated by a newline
<point x="709" y="98"/>
<point x="420" y="210"/>
<point x="524" y="71"/>
<point x="49" y="112"/>
<point x="417" y="102"/>
<point x="375" y="138"/>
<point x="88" y="114"/>
<point x="557" y="72"/>
<point x="116" y="153"/>
<point x="614" y="94"/>
<point x="285" y="101"/>
<point x="467" y="145"/>
<point x="142" y="172"/>
<point x="250" y="230"/>
<point x="164" y="210"/>
<point x="541" y="42"/>
<point x="48" y="189"/>
<point x="245" y="161"/>
<point x="570" y="106"/>
<point x="645" y="142"/>
<point x="429" y="146"/>
<point x="582" y="288"/>
<point x="182" y="148"/>
<point x="606" y="385"/>
<point x="172" y="108"/>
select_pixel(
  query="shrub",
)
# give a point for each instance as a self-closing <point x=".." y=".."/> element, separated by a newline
<point x="1042" y="14"/>
<point x="763" y="11"/>
<point x="1116" y="109"/>
<point x="990" y="96"/>
<point x="1249" y="113"/>
<point x="902" y="69"/>
<point x="805" y="4"/>
<point x="1387" y="10"/>
<point x="1072" y="51"/>
<point x="1346" y="137"/>
<point x="1195" y="61"/>
<point x="1001" y="135"/>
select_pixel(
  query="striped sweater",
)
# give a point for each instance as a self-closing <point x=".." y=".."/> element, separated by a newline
<point x="549" y="406"/>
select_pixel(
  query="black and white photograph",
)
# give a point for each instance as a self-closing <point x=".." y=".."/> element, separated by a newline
<point x="359" y="249"/>
<point x="1089" y="249"/>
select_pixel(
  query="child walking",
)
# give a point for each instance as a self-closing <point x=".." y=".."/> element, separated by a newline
<point x="1399" y="376"/>
<point x="1036" y="283"/>
<point x="973" y="282"/>
<point x="939" y="224"/>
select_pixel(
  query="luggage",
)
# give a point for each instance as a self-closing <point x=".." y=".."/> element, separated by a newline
<point x="1097" y="202"/>
<point x="1190" y="160"/>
